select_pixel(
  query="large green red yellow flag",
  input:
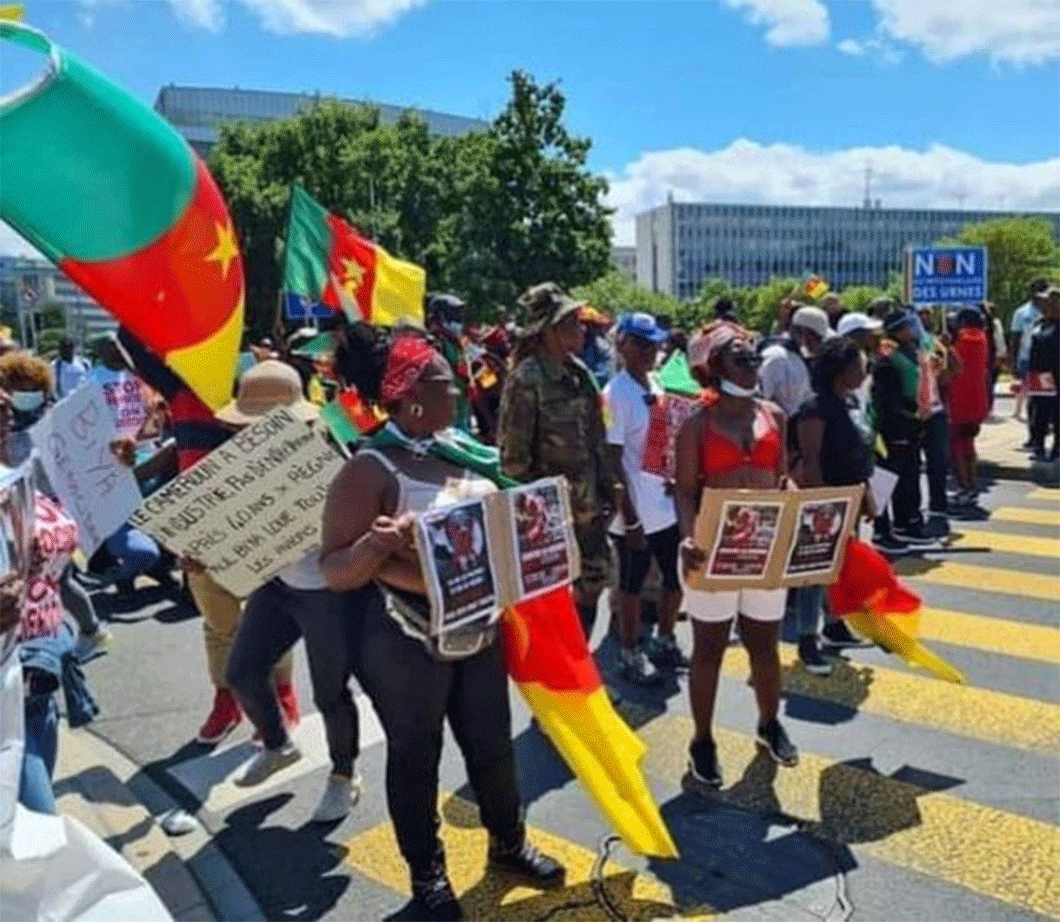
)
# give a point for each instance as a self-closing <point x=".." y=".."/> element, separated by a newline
<point x="551" y="663"/>
<point x="113" y="195"/>
<point x="327" y="262"/>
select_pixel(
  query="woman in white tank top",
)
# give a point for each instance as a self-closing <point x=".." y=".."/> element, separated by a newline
<point x="414" y="681"/>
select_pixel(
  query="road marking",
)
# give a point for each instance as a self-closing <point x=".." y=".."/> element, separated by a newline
<point x="981" y="579"/>
<point x="211" y="776"/>
<point x="1001" y="543"/>
<point x="983" y="714"/>
<point x="1052" y="495"/>
<point x="991" y="635"/>
<point x="1000" y="855"/>
<point x="637" y="895"/>
<point x="1027" y="516"/>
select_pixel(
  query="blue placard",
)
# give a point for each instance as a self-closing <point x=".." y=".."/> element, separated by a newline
<point x="946" y="275"/>
<point x="299" y="307"/>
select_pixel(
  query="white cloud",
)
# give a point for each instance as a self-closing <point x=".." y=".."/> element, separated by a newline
<point x="783" y="174"/>
<point x="787" y="22"/>
<point x="1021" y="32"/>
<point x="337" y="18"/>
<point x="852" y="47"/>
<point x="876" y="48"/>
<point x="12" y="243"/>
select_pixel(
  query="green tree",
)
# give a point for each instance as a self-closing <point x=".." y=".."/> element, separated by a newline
<point x="1019" y="250"/>
<point x="859" y="297"/>
<point x="700" y="310"/>
<point x="615" y="294"/>
<point x="763" y="303"/>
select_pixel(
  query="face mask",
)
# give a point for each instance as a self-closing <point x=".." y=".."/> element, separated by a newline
<point x="455" y="328"/>
<point x="27" y="401"/>
<point x="807" y="353"/>
<point x="734" y="390"/>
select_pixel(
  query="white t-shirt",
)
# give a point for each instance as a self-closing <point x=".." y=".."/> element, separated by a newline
<point x="69" y="375"/>
<point x="784" y="378"/>
<point x="1023" y="320"/>
<point x="627" y="425"/>
<point x="125" y="397"/>
<point x="305" y="574"/>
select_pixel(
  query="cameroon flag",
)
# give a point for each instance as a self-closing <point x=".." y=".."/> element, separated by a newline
<point x="326" y="261"/>
<point x="815" y="287"/>
<point x="550" y="661"/>
<point x="114" y="196"/>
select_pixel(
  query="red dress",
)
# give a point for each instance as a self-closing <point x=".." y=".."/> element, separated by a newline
<point x="967" y="398"/>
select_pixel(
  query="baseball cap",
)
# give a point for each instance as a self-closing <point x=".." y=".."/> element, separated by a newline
<point x="546" y="304"/>
<point x="851" y="323"/>
<point x="813" y="319"/>
<point x="898" y="319"/>
<point x="643" y="326"/>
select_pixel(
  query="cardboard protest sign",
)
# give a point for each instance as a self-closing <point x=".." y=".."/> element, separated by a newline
<point x="768" y="539"/>
<point x="74" y="440"/>
<point x="127" y="399"/>
<point x="251" y="507"/>
<point x="16" y="539"/>
<point x="665" y="418"/>
<point x="459" y="565"/>
<point x="482" y="556"/>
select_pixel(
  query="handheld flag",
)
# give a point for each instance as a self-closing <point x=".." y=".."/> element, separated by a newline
<point x="815" y="287"/>
<point x="327" y="262"/>
<point x="550" y="661"/>
<point x="876" y="605"/>
<point x="116" y="198"/>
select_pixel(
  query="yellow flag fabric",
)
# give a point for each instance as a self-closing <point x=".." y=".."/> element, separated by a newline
<point x="604" y="754"/>
<point x="399" y="290"/>
<point x="12" y="12"/>
<point x="897" y="634"/>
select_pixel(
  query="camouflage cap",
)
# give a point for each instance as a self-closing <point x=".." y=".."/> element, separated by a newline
<point x="545" y="305"/>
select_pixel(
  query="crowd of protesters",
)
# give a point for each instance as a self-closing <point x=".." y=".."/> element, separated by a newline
<point x="829" y="398"/>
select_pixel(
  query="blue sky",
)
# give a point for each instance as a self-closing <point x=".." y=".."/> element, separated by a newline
<point x="749" y="100"/>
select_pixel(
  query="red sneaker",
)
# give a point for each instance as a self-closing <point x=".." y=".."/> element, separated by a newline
<point x="223" y="719"/>
<point x="288" y="705"/>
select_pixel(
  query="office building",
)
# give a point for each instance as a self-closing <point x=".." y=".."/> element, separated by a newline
<point x="198" y="112"/>
<point x="682" y="245"/>
<point x="625" y="260"/>
<point x="28" y="285"/>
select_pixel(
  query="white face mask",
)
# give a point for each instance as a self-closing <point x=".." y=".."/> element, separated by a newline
<point x="734" y="390"/>
<point x="27" y="401"/>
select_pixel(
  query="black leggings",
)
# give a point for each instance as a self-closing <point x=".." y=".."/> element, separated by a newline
<point x="413" y="693"/>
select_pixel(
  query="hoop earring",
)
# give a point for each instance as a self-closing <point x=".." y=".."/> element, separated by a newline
<point x="416" y="410"/>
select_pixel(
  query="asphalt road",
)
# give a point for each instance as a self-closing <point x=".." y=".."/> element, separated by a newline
<point x="914" y="799"/>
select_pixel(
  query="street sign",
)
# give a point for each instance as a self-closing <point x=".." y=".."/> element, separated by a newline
<point x="946" y="275"/>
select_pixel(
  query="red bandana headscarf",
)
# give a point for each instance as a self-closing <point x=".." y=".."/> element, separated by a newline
<point x="409" y="358"/>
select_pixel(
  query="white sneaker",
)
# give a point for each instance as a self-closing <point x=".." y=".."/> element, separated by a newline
<point x="89" y="645"/>
<point x="340" y="795"/>
<point x="266" y="763"/>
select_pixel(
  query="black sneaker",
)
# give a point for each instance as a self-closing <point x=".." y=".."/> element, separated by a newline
<point x="773" y="739"/>
<point x="837" y="634"/>
<point x="810" y="656"/>
<point x="665" y="653"/>
<point x="938" y="526"/>
<point x="889" y="544"/>
<point x="637" y="668"/>
<point x="434" y="897"/>
<point x="914" y="534"/>
<point x="527" y="862"/>
<point x="703" y="763"/>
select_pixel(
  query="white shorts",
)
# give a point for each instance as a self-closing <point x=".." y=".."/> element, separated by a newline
<point x="718" y="607"/>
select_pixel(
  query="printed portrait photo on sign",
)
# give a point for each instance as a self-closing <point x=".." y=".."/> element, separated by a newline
<point x="745" y="539"/>
<point x="459" y="565"/>
<point x="540" y="538"/>
<point x="819" y="526"/>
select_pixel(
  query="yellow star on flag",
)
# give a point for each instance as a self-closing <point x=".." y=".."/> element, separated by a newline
<point x="226" y="249"/>
<point x="352" y="275"/>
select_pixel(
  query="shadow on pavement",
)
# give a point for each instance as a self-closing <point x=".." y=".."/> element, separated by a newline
<point x="831" y="699"/>
<point x="300" y="883"/>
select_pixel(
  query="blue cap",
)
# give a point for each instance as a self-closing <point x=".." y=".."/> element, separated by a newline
<point x="644" y="326"/>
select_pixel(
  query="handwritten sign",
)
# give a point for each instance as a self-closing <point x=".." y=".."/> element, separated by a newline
<point x="16" y="539"/>
<point x="125" y="397"/>
<point x="251" y="507"/>
<point x="74" y="440"/>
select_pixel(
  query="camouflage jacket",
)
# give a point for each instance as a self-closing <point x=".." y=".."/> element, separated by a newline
<point x="551" y="423"/>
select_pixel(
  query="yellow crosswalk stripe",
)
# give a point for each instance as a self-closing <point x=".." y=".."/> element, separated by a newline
<point x="1027" y="516"/>
<point x="991" y="635"/>
<point x="1046" y="493"/>
<point x="637" y="896"/>
<point x="1000" y="855"/>
<point x="1002" y="543"/>
<point x="980" y="713"/>
<point x="981" y="579"/>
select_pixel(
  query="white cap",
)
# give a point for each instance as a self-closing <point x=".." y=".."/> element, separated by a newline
<point x="851" y="323"/>
<point x="813" y="318"/>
